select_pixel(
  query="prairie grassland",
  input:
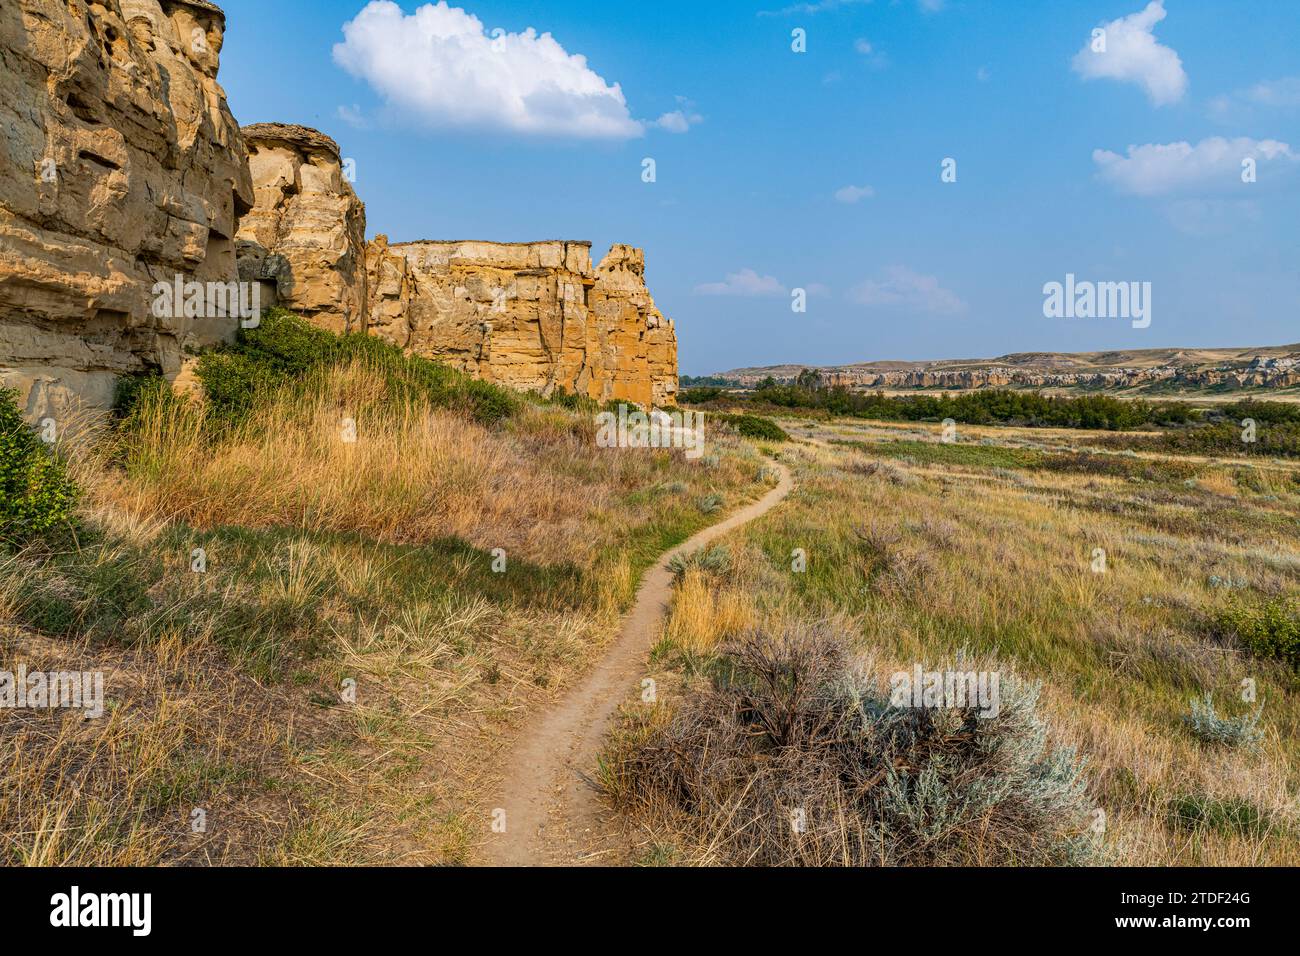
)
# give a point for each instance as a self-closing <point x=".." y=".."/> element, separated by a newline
<point x="327" y="569"/>
<point x="919" y="551"/>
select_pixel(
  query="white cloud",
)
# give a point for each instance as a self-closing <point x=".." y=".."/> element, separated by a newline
<point x="1282" y="94"/>
<point x="903" y="287"/>
<point x="875" y="59"/>
<point x="1133" y="54"/>
<point x="1160" y="169"/>
<point x="674" y="122"/>
<point x="983" y="74"/>
<point x="353" y="116"/>
<point x="931" y="6"/>
<point x="681" y="119"/>
<point x="853" y="194"/>
<point x="819" y="6"/>
<point x="442" y="67"/>
<point x="746" y="282"/>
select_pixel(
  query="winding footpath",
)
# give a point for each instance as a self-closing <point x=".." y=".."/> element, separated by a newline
<point x="553" y="811"/>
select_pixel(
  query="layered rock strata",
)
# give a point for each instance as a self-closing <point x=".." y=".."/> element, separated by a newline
<point x="125" y="181"/>
<point x="305" y="238"/>
<point x="121" y="167"/>
<point x="533" y="316"/>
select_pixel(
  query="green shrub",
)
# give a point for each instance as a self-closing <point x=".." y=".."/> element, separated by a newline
<point x="754" y="426"/>
<point x="285" y="350"/>
<point x="1233" y="816"/>
<point x="36" y="495"/>
<point x="697" y="396"/>
<point x="131" y="390"/>
<point x="1268" y="629"/>
<point x="709" y="503"/>
<point x="711" y="560"/>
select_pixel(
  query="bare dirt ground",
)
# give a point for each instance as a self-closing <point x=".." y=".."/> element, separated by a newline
<point x="553" y="812"/>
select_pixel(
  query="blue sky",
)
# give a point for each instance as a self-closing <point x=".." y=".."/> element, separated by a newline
<point x="820" y="170"/>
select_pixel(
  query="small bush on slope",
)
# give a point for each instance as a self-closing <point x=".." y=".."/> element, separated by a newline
<point x="1207" y="725"/>
<point x="787" y="726"/>
<point x="754" y="426"/>
<point x="1270" y="629"/>
<point x="36" y="495"/>
<point x="284" y="347"/>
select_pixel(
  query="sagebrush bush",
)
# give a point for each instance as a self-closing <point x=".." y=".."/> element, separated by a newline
<point x="1267" y="629"/>
<point x="715" y="559"/>
<point x="1206" y="724"/>
<point x="36" y="494"/>
<point x="787" y="730"/>
<point x="710" y="503"/>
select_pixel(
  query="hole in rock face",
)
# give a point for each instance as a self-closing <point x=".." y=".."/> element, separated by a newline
<point x="81" y="109"/>
<point x="97" y="160"/>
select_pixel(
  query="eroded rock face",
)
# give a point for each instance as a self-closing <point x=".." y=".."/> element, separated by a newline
<point x="531" y="316"/>
<point x="305" y="238"/>
<point x="639" y="344"/>
<point x="120" y="167"/>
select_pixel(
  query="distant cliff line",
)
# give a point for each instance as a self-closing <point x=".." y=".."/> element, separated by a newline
<point x="1273" y="367"/>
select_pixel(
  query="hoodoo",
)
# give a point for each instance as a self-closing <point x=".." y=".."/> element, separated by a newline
<point x="534" y="316"/>
<point x="305" y="238"/>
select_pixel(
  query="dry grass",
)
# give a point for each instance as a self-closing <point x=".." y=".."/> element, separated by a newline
<point x="956" y="556"/>
<point x="330" y="565"/>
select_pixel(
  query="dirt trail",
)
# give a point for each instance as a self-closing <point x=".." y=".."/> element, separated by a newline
<point x="553" y="813"/>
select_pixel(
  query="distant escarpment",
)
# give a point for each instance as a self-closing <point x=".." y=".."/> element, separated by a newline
<point x="1150" y="370"/>
<point x="123" y="173"/>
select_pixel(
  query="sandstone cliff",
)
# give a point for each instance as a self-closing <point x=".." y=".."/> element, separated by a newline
<point x="533" y="316"/>
<point x="121" y="166"/>
<point x="305" y="238"/>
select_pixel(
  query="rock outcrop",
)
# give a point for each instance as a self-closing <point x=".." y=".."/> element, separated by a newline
<point x="305" y="238"/>
<point x="533" y="316"/>
<point x="123" y="177"/>
<point x="121" y="167"/>
<point x="639" y="344"/>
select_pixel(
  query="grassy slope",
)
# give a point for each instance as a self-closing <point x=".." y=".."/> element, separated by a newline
<point x="327" y="562"/>
<point x="917" y="550"/>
